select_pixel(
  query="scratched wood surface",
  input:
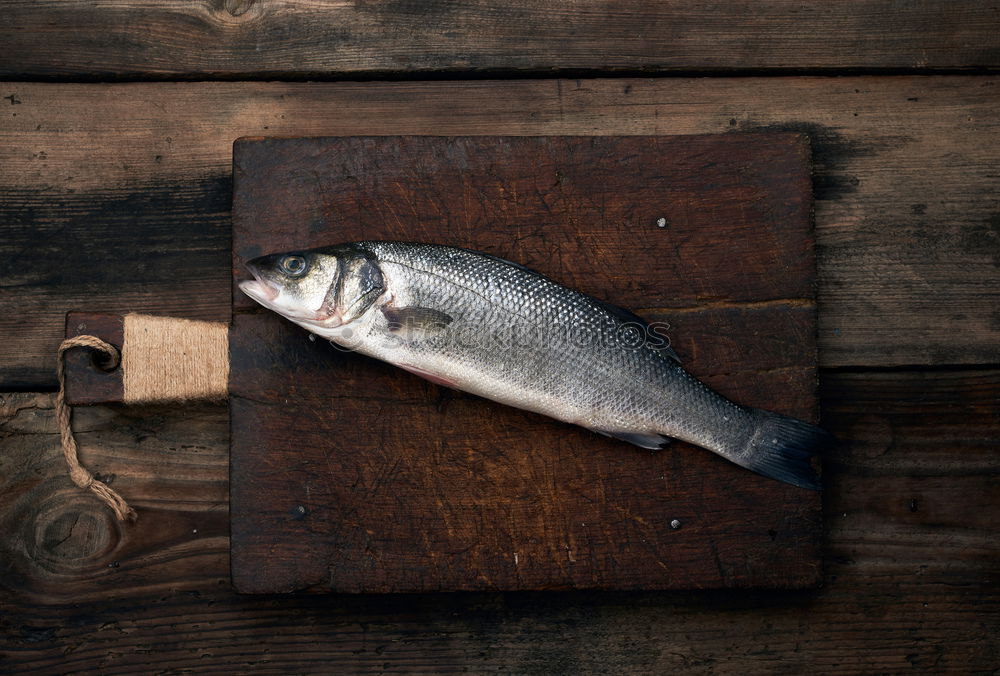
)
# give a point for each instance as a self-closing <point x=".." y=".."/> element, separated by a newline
<point x="120" y="194"/>
<point x="323" y="38"/>
<point x="349" y="475"/>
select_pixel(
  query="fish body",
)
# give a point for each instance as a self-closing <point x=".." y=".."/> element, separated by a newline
<point x="494" y="328"/>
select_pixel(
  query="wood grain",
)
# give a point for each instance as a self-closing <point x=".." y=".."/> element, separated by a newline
<point x="393" y="486"/>
<point x="116" y="197"/>
<point x="909" y="583"/>
<point x="323" y="38"/>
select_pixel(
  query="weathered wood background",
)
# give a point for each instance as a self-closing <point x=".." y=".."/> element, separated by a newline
<point x="116" y="197"/>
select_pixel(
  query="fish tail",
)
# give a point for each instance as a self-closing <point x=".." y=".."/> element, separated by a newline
<point x="781" y="448"/>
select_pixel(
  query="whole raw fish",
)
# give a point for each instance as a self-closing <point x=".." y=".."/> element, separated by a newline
<point x="485" y="325"/>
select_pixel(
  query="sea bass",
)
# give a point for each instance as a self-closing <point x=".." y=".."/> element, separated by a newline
<point x="497" y="329"/>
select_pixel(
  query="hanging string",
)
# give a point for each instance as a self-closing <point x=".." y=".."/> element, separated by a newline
<point x="80" y="476"/>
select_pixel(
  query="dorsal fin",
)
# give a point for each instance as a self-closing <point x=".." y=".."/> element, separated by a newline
<point x="504" y="260"/>
<point x="658" y="342"/>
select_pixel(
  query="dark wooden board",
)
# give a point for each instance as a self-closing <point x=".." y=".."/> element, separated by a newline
<point x="128" y="210"/>
<point x="351" y="475"/>
<point x="283" y="38"/>
<point x="911" y="547"/>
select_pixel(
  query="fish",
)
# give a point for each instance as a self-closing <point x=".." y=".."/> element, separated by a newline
<point x="485" y="325"/>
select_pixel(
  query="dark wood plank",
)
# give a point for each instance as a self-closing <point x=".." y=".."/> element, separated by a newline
<point x="391" y="490"/>
<point x="909" y="579"/>
<point x="118" y="195"/>
<point x="324" y="38"/>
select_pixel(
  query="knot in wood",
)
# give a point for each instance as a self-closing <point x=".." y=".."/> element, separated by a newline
<point x="237" y="8"/>
<point x="71" y="534"/>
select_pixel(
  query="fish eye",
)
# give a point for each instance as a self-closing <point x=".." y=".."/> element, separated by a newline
<point x="293" y="266"/>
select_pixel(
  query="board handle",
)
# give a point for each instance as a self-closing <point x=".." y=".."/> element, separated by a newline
<point x="88" y="380"/>
<point x="162" y="359"/>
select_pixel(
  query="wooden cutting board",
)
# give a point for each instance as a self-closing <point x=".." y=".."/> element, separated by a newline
<point x="350" y="475"/>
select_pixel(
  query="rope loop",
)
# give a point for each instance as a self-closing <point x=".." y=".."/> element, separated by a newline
<point x="77" y="472"/>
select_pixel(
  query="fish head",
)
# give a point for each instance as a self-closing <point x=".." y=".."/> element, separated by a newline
<point x="323" y="288"/>
<point x="295" y="284"/>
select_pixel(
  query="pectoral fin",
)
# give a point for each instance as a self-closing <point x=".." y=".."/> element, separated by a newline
<point x="415" y="323"/>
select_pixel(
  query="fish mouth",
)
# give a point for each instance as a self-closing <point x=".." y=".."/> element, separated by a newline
<point x="260" y="290"/>
<point x="266" y="292"/>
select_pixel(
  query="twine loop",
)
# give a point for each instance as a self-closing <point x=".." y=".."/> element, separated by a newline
<point x="79" y="474"/>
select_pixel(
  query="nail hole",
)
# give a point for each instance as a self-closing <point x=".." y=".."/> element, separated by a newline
<point x="103" y="362"/>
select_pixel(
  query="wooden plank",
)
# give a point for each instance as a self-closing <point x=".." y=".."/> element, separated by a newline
<point x="912" y="554"/>
<point x="389" y="489"/>
<point x="280" y="38"/>
<point x="119" y="194"/>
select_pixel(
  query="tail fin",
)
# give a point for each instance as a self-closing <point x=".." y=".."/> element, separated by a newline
<point x="781" y="447"/>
